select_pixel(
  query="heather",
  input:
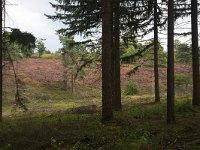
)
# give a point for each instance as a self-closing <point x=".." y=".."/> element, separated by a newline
<point x="61" y="120"/>
<point x="100" y="75"/>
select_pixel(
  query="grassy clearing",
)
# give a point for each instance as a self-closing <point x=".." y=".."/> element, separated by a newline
<point x="59" y="120"/>
<point x="45" y="101"/>
<point x="48" y="56"/>
<point x="139" y="126"/>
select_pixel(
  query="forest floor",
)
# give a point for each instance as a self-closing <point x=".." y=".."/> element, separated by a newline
<point x="57" y="119"/>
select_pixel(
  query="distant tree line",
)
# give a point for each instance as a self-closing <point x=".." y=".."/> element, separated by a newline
<point x="22" y="44"/>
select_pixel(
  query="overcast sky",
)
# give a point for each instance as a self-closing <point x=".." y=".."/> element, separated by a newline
<point x="28" y="15"/>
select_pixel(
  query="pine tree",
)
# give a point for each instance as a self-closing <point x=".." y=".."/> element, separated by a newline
<point x="1" y="75"/>
<point x="170" y="64"/>
<point x="156" y="74"/>
<point x="79" y="17"/>
<point x="116" y="54"/>
<point x="85" y="25"/>
<point x="195" y="53"/>
<point x="107" y="46"/>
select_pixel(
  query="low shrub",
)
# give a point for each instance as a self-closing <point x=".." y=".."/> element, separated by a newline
<point x="131" y="88"/>
<point x="183" y="80"/>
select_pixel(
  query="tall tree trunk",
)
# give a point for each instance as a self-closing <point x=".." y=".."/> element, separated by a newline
<point x="156" y="74"/>
<point x="1" y="91"/>
<point x="107" y="46"/>
<point x="116" y="54"/>
<point x="170" y="64"/>
<point x="195" y="55"/>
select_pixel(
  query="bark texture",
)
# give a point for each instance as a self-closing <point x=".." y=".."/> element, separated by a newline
<point x="170" y="64"/>
<point x="116" y="55"/>
<point x="1" y="75"/>
<point x="107" y="46"/>
<point x="195" y="54"/>
<point x="156" y="73"/>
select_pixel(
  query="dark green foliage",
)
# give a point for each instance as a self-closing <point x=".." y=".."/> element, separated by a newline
<point x="183" y="52"/>
<point x="85" y="17"/>
<point x="130" y="53"/>
<point x="25" y="40"/>
<point x="19" y="43"/>
<point x="162" y="56"/>
<point x="136" y="17"/>
<point x="14" y="49"/>
<point x="185" y="107"/>
<point x="131" y="88"/>
<point x="78" y="16"/>
<point x="138" y="51"/>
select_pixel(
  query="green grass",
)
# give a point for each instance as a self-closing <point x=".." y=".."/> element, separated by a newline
<point x="59" y="120"/>
<point x="51" y="56"/>
<point x="47" y="56"/>
<point x="140" y="126"/>
<point x="43" y="100"/>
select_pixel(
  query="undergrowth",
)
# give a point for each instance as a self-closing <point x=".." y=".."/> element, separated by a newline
<point x="142" y="126"/>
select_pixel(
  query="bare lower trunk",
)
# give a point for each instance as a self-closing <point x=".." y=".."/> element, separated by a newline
<point x="195" y="54"/>
<point x="107" y="46"/>
<point x="116" y="54"/>
<point x="18" y="100"/>
<point x="65" y="85"/>
<point x="156" y="74"/>
<point x="170" y="65"/>
<point x="1" y="75"/>
<point x="65" y="81"/>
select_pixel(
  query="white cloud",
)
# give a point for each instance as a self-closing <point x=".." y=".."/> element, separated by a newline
<point x="29" y="16"/>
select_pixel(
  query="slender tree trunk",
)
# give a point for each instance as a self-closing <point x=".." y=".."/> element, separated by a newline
<point x="65" y="57"/>
<point x="156" y="74"/>
<point x="170" y="64"/>
<point x="73" y="84"/>
<point x="117" y="83"/>
<point x="113" y="62"/>
<point x="107" y="46"/>
<point x="1" y="75"/>
<point x="195" y="55"/>
<point x="65" y="79"/>
<point x="17" y="94"/>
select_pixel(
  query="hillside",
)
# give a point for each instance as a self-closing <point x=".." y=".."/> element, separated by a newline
<point x="61" y="120"/>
